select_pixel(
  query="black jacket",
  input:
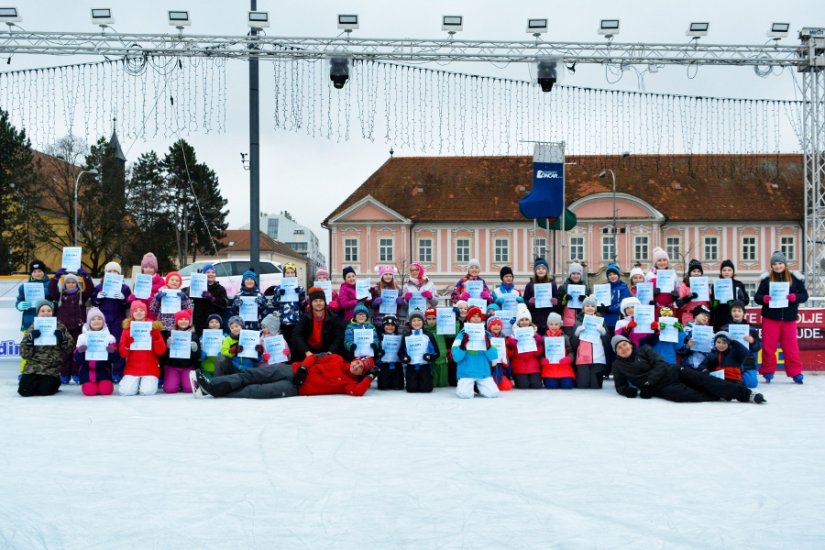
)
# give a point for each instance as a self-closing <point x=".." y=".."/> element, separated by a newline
<point x="644" y="367"/>
<point x="332" y="335"/>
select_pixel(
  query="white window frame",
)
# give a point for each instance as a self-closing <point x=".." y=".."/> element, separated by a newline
<point x="351" y="247"/>
<point x="386" y="251"/>
<point x="458" y="249"/>
<point x="750" y="288"/>
<point x="501" y="250"/>
<point x="748" y="248"/>
<point x="428" y="258"/>
<point x="787" y="245"/>
<point x="707" y="246"/>
<point x="641" y="241"/>
<point x="576" y="248"/>
<point x="540" y="247"/>
<point x="608" y="246"/>
<point x="673" y="248"/>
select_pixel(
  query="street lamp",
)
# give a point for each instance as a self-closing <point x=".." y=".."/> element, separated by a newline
<point x="93" y="172"/>
<point x="602" y="174"/>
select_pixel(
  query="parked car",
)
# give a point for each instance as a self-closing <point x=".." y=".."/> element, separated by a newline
<point x="229" y="273"/>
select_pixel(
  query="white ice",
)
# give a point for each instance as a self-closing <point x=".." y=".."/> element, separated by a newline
<point x="533" y="469"/>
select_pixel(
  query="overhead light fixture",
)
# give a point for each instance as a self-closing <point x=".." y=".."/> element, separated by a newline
<point x="339" y="71"/>
<point x="536" y="27"/>
<point x="779" y="30"/>
<point x="102" y="17"/>
<point x="258" y="19"/>
<point x="609" y="27"/>
<point x="452" y="23"/>
<point x="9" y="16"/>
<point x="179" y="19"/>
<point x="550" y="71"/>
<point x="347" y="22"/>
<point x="696" y="30"/>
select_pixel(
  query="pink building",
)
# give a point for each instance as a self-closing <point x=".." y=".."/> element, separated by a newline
<point x="443" y="211"/>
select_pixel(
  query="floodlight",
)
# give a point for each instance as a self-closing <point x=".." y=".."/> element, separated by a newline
<point x="347" y="22"/>
<point x="9" y="16"/>
<point x="609" y="27"/>
<point x="452" y="23"/>
<point x="179" y="19"/>
<point x="550" y="70"/>
<point x="339" y="71"/>
<point x="697" y="29"/>
<point x="779" y="30"/>
<point x="258" y="19"/>
<point x="536" y="27"/>
<point x="102" y="17"/>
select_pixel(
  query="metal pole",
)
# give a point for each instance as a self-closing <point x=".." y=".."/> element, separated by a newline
<point x="254" y="160"/>
<point x="615" y="243"/>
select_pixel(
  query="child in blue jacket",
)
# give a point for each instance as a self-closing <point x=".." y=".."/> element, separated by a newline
<point x="473" y="366"/>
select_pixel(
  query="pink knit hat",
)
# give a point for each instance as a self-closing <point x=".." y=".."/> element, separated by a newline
<point x="382" y="269"/>
<point x="149" y="260"/>
<point x="658" y="254"/>
<point x="135" y="305"/>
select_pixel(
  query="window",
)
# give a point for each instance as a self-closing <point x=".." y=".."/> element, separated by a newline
<point x="749" y="248"/>
<point x="502" y="251"/>
<point x="711" y="248"/>
<point x="608" y="247"/>
<point x="641" y="248"/>
<point x="540" y="247"/>
<point x="750" y="288"/>
<point x="462" y="250"/>
<point x="788" y="247"/>
<point x="272" y="228"/>
<point x="385" y="250"/>
<point x="673" y="247"/>
<point x="350" y="250"/>
<point x="425" y="251"/>
<point x="576" y="249"/>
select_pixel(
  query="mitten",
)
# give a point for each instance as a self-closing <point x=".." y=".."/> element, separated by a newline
<point x="427" y="294"/>
<point x="259" y="349"/>
<point x="656" y="290"/>
<point x="429" y="357"/>
<point x="714" y="303"/>
<point x="299" y="289"/>
<point x="281" y="291"/>
<point x="206" y="294"/>
<point x="646" y="392"/>
<point x="499" y="302"/>
<point x="601" y="309"/>
<point x="82" y="272"/>
<point x="544" y="362"/>
<point x="632" y="324"/>
<point x="380" y="353"/>
<point x="792" y="297"/>
<point x="300" y="375"/>
<point x="181" y="294"/>
<point x="532" y="301"/>
<point x="351" y="348"/>
<point x="400" y="300"/>
<point x="111" y="348"/>
<point x="630" y="393"/>
<point x="678" y="326"/>
<point x="565" y="361"/>
<point x="662" y="326"/>
<point x="266" y="357"/>
<point x="240" y="348"/>
<point x="675" y="294"/>
<point x="286" y="353"/>
<point x="193" y="346"/>
<point x="374" y="346"/>
<point x="101" y="295"/>
<point x="60" y="272"/>
<point x="118" y="295"/>
<point x="233" y="349"/>
<point x="485" y="294"/>
<point x="602" y="331"/>
<point x="377" y="301"/>
<point x="693" y="295"/>
<point x="58" y="334"/>
<point x="408" y="296"/>
<point x="654" y="325"/>
<point x="464" y="340"/>
<point x="766" y="299"/>
<point x="554" y="301"/>
<point x="128" y="341"/>
<point x="519" y="300"/>
<point x="23" y="306"/>
<point x="81" y="349"/>
<point x="579" y="330"/>
<point x="465" y="296"/>
<point x="581" y="297"/>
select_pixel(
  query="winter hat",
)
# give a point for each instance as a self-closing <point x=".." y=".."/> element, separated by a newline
<point x="576" y="267"/>
<point x="420" y="270"/>
<point x="473" y="263"/>
<point x="460" y="303"/>
<point x="617" y="339"/>
<point x="235" y="320"/>
<point x="737" y="303"/>
<point x="492" y="321"/>
<point x="723" y="335"/>
<point x="523" y="313"/>
<point x="629" y="302"/>
<point x="42" y="303"/>
<point x="173" y="274"/>
<point x="389" y="319"/>
<point x="699" y="310"/>
<point x="614" y="268"/>
<point x="636" y="271"/>
<point x="665" y="312"/>
<point x="506" y="270"/>
<point x="292" y="266"/>
<point x="368" y="362"/>
<point x="727" y="263"/>
<point x="416" y="314"/>
<point x="590" y="301"/>
<point x="37" y="264"/>
<point x="695" y="264"/>
<point x="208" y="267"/>
<point x="272" y="322"/>
<point x="216" y="317"/>
<point x="183" y="313"/>
<point x="494" y="307"/>
<point x="475" y="310"/>
<point x="315" y="293"/>
<point x="777" y="256"/>
<point x="112" y="266"/>
<point x="321" y="272"/>
<point x="542" y="262"/>
<point x="361" y="308"/>
<point x="348" y="269"/>
<point x="149" y="260"/>
<point x="137" y="304"/>
<point x="554" y="318"/>
<point x="382" y="269"/>
<point x="431" y="312"/>
<point x="68" y="277"/>
<point x="248" y="275"/>
<point x="658" y="254"/>
<point x="91" y="314"/>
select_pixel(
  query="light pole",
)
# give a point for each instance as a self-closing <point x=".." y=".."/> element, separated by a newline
<point x="602" y="174"/>
<point x="93" y="172"/>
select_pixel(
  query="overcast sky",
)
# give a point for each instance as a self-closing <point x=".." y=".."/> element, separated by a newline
<point x="325" y="173"/>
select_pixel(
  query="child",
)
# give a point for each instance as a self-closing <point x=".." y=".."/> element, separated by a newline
<point x="627" y="325"/>
<point x="249" y="290"/>
<point x="687" y="296"/>
<point x="96" y="375"/>
<point x="271" y="326"/>
<point x="41" y="373"/>
<point x="176" y="371"/>
<point x="229" y="361"/>
<point x="214" y="321"/>
<point x="502" y="373"/>
<point x="460" y="290"/>
<point x="636" y="276"/>
<point x="360" y="320"/>
<point x="779" y="324"/>
<point x="440" y="368"/>
<point x="70" y="294"/>
<point x="347" y="295"/>
<point x="561" y="374"/>
<point x="323" y="275"/>
<point x="720" y="313"/>
<point x="618" y="292"/>
<point x="461" y="308"/>
<point x="473" y="366"/>
<point x="386" y="281"/>
<point x="737" y="313"/>
<point x="419" y="375"/>
<point x="149" y="266"/>
<point x="390" y="374"/>
<point x="540" y="275"/>
<point x="114" y="310"/>
<point x="506" y="295"/>
<point x="288" y="311"/>
<point x="590" y="356"/>
<point x="173" y="287"/>
<point x="142" y="369"/>
<point x="212" y="301"/>
<point x="668" y="350"/>
<point x="526" y="364"/>
<point x="419" y="282"/>
<point x="688" y="356"/>
<point x="727" y="357"/>
<point x="37" y="274"/>
<point x="663" y="297"/>
<point x="569" y="314"/>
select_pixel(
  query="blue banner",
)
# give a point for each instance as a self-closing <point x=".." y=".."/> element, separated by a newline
<point x="546" y="199"/>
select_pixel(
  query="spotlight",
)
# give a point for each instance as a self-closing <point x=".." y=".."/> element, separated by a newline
<point x="536" y="27"/>
<point x="549" y="72"/>
<point x="452" y="24"/>
<point x="179" y="19"/>
<point x="779" y="30"/>
<point x="697" y="30"/>
<point x="9" y="16"/>
<point x="102" y="17"/>
<point x="258" y="19"/>
<point x="347" y="22"/>
<point x="609" y="27"/>
<point x="339" y="71"/>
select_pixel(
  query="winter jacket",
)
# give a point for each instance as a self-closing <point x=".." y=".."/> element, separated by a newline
<point x="158" y="282"/>
<point x="753" y="349"/>
<point x="432" y="347"/>
<point x="377" y="300"/>
<point x="729" y="361"/>
<point x="720" y="311"/>
<point x="289" y="311"/>
<point x="502" y="294"/>
<point x="192" y="362"/>
<point x="569" y="314"/>
<point x="29" y="314"/>
<point x="71" y="305"/>
<point x="689" y="305"/>
<point x="627" y="328"/>
<point x="472" y="363"/>
<point x="540" y="314"/>
<point x="330" y="375"/>
<point x="460" y="291"/>
<point x="562" y="369"/>
<point x="412" y="286"/>
<point x="643" y="367"/>
<point x="142" y="362"/>
<point x="114" y="309"/>
<point x="349" y="337"/>
<point x="242" y="363"/>
<point x="588" y="353"/>
<point x="95" y="371"/>
<point x="215" y="303"/>
<point x="688" y="356"/>
<point x="665" y="296"/>
<point x="168" y="319"/>
<point x="332" y="335"/>
<point x="525" y="362"/>
<point x="45" y="360"/>
<point x="618" y="292"/>
<point x="782" y="313"/>
<point x="259" y="299"/>
<point x="347" y="300"/>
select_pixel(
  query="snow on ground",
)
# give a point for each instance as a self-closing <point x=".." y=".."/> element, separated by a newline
<point x="533" y="469"/>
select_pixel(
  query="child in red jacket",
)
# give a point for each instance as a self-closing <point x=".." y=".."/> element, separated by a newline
<point x="526" y="365"/>
<point x="558" y="375"/>
<point x="142" y="369"/>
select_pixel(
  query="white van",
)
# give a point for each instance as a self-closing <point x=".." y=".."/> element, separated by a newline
<point x="229" y="273"/>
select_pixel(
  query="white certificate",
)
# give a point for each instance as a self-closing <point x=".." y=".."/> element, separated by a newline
<point x="326" y="286"/>
<point x="480" y="303"/>
<point x="723" y="290"/>
<point x="275" y="346"/>
<point x="141" y="333"/>
<point x="249" y="340"/>
<point x="591" y="325"/>
<point x="419" y="302"/>
<point x="703" y="335"/>
<point x="666" y="280"/>
<point x="602" y="292"/>
<point x="363" y="337"/>
<point x="46" y="326"/>
<point x="391" y="345"/>
<point x="445" y="321"/>
<point x="501" y="347"/>
<point x="33" y="293"/>
<point x="112" y="284"/>
<point x="506" y="325"/>
<point x="699" y="285"/>
<point x="180" y="344"/>
<point x="211" y="341"/>
<point x="72" y="256"/>
<point x="197" y="285"/>
<point x="669" y="333"/>
<point x="739" y="333"/>
<point x="779" y="294"/>
<point x="574" y="291"/>
<point x="170" y="301"/>
<point x="288" y="285"/>
<point x="544" y="294"/>
<point x="554" y="348"/>
<point x="718" y="374"/>
<point x="644" y="292"/>
<point x="96" y="342"/>
<point x="143" y="286"/>
<point x="525" y="341"/>
<point x="474" y="288"/>
<point x="249" y="309"/>
<point x="388" y="304"/>
<point x="644" y="316"/>
<point x="416" y="348"/>
<point x="476" y="333"/>
<point x="509" y="302"/>
<point x="362" y="288"/>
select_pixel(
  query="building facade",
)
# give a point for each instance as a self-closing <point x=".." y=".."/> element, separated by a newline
<point x="298" y="237"/>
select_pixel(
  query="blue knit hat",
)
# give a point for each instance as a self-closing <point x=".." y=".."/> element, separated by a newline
<point x="541" y="261"/>
<point x="614" y="268"/>
<point x="249" y="275"/>
<point x="361" y="308"/>
<point x="207" y="267"/>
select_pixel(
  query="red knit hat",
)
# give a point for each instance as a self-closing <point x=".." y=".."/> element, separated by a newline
<point x="431" y="312"/>
<point x="173" y="274"/>
<point x="183" y="313"/>
<point x="475" y="310"/>
<point x="494" y="321"/>
<point x="368" y="363"/>
<point x="135" y="305"/>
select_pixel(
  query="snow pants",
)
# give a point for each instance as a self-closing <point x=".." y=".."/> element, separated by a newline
<point x="693" y="386"/>
<point x="269" y="382"/>
<point x="134" y="385"/>
<point x="38" y="384"/>
<point x="530" y="381"/>
<point x="486" y="387"/>
<point x="784" y="334"/>
<point x="103" y="387"/>
<point x="176" y="379"/>
<point x="590" y="376"/>
<point x="419" y="378"/>
<point x="391" y="377"/>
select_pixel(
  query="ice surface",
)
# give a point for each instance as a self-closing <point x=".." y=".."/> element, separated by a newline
<point x="533" y="469"/>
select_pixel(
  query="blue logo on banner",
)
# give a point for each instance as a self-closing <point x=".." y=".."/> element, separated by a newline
<point x="9" y="348"/>
<point x="546" y="199"/>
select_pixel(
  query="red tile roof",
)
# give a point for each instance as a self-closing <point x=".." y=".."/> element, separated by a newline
<point x="682" y="187"/>
<point x="240" y="240"/>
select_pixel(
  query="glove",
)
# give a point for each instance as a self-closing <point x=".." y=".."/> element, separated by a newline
<point x="601" y="309"/>
<point x="579" y="330"/>
<point x="259" y="349"/>
<point x="128" y="341"/>
<point x="23" y="306"/>
<point x="487" y="341"/>
<point x="661" y="326"/>
<point x="111" y="348"/>
<point x="465" y="296"/>
<point x="656" y="290"/>
<point x="377" y="301"/>
<point x="581" y="297"/>
<point x="374" y="371"/>
<point x="118" y="296"/>
<point x="646" y="392"/>
<point x="565" y="361"/>
<point x="408" y="296"/>
<point x="240" y="348"/>
<point x="266" y="357"/>
<point x="169" y="341"/>
<point x="630" y="393"/>
<point x="380" y="353"/>
<point x="602" y="331"/>
<point x="300" y="375"/>
<point x="351" y="348"/>
<point x="281" y="291"/>
<point x="374" y="346"/>
<point x="405" y="359"/>
<point x="60" y="272"/>
<point x="654" y="325"/>
<point x="544" y="362"/>
<point x="101" y="295"/>
<point x="792" y="297"/>
<point x="35" y="333"/>
<point x="632" y="324"/>
<point x="693" y="295"/>
<point x="206" y="294"/>
<point x="714" y="303"/>
<point x="429" y="357"/>
<point x="464" y="341"/>
<point x="427" y="294"/>
<point x="236" y="302"/>
<point x="193" y="346"/>
<point x="554" y="301"/>
<point x="678" y="326"/>
<point x="286" y="353"/>
<point x="485" y="294"/>
<point x="233" y="349"/>
<point x="675" y="294"/>
<point x="532" y="301"/>
<point x="181" y="294"/>
<point x="58" y="334"/>
<point x="81" y="349"/>
<point x="82" y="272"/>
<point x="766" y="299"/>
<point x="400" y="300"/>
